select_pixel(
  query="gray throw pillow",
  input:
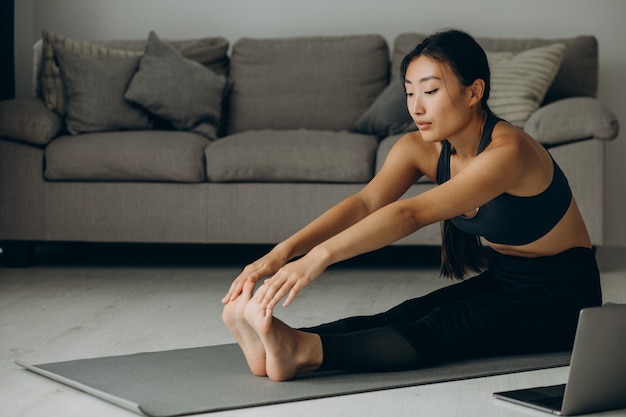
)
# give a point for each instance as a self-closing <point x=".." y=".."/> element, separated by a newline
<point x="574" y="118"/>
<point x="177" y="89"/>
<point x="94" y="92"/>
<point x="388" y="115"/>
<point x="49" y="75"/>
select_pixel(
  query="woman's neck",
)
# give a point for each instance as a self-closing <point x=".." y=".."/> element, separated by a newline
<point x="465" y="143"/>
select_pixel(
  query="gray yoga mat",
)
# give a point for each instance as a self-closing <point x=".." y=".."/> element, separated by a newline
<point x="216" y="378"/>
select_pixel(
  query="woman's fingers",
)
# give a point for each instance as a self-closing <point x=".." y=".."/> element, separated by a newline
<point x="284" y="284"/>
<point x="292" y="295"/>
<point x="266" y="293"/>
<point x="266" y="266"/>
<point x="252" y="273"/>
<point x="286" y="281"/>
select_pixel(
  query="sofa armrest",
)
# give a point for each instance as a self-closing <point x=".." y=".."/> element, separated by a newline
<point x="29" y="120"/>
<point x="572" y="119"/>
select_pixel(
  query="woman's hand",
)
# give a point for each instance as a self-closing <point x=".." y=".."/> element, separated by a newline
<point x="266" y="266"/>
<point x="289" y="281"/>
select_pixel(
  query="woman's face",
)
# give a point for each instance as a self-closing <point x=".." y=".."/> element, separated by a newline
<point x="436" y="100"/>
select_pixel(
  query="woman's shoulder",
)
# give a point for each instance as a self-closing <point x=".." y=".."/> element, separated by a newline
<point x="423" y="155"/>
<point x="507" y="135"/>
<point x="413" y="141"/>
<point x="517" y="154"/>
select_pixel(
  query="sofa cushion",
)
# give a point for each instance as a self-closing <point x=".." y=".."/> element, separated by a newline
<point x="28" y="120"/>
<point x="321" y="83"/>
<point x="94" y="91"/>
<point x="292" y="156"/>
<point x="127" y="156"/>
<point x="176" y="89"/>
<point x="572" y="119"/>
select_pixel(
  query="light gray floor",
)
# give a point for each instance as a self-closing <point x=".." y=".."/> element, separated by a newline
<point x="91" y="305"/>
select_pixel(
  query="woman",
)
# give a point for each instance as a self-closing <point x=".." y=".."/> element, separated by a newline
<point x="497" y="186"/>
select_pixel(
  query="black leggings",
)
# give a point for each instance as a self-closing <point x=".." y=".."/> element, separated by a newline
<point x="519" y="305"/>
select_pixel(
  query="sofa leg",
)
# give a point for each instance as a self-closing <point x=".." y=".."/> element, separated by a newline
<point x="17" y="253"/>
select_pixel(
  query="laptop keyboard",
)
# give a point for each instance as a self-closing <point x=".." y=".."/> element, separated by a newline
<point x="549" y="397"/>
<point x="553" y="403"/>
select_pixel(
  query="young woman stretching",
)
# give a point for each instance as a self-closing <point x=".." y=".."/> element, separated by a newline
<point x="496" y="183"/>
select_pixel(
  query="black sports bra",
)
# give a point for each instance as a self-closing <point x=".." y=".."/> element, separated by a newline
<point x="509" y="219"/>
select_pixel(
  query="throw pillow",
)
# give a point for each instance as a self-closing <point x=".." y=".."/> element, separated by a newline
<point x="94" y="91"/>
<point x="519" y="82"/>
<point x="51" y="82"/>
<point x="388" y="115"/>
<point x="176" y="88"/>
<point x="573" y="118"/>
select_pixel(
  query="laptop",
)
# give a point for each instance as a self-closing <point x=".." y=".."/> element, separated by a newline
<point x="597" y="374"/>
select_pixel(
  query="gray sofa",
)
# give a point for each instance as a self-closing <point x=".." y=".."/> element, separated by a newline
<point x="285" y="129"/>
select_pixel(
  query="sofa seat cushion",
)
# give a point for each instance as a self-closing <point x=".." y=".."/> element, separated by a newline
<point x="292" y="156"/>
<point x="127" y="156"/>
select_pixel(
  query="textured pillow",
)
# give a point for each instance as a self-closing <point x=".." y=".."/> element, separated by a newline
<point x="51" y="82"/>
<point x="519" y="82"/>
<point x="94" y="91"/>
<point x="388" y="115"/>
<point x="176" y="88"/>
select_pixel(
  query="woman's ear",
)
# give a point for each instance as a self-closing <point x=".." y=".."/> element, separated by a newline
<point x="477" y="89"/>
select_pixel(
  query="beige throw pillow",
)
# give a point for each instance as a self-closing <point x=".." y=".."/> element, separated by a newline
<point x="519" y="81"/>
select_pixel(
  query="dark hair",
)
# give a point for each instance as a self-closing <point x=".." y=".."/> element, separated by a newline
<point x="466" y="58"/>
<point x="460" y="252"/>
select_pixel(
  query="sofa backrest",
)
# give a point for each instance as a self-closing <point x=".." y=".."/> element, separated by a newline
<point x="305" y="82"/>
<point x="577" y="75"/>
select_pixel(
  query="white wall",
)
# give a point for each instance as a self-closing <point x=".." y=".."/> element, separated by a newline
<point x="233" y="19"/>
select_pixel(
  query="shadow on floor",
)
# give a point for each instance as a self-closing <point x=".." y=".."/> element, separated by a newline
<point x="127" y="254"/>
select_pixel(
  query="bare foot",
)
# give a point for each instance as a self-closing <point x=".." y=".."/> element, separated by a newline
<point x="288" y="352"/>
<point x="247" y="338"/>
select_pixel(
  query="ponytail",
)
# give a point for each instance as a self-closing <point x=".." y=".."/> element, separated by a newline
<point x="461" y="253"/>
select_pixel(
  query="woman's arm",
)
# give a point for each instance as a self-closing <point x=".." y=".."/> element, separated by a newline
<point x="485" y="177"/>
<point x="375" y="231"/>
<point x="395" y="177"/>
